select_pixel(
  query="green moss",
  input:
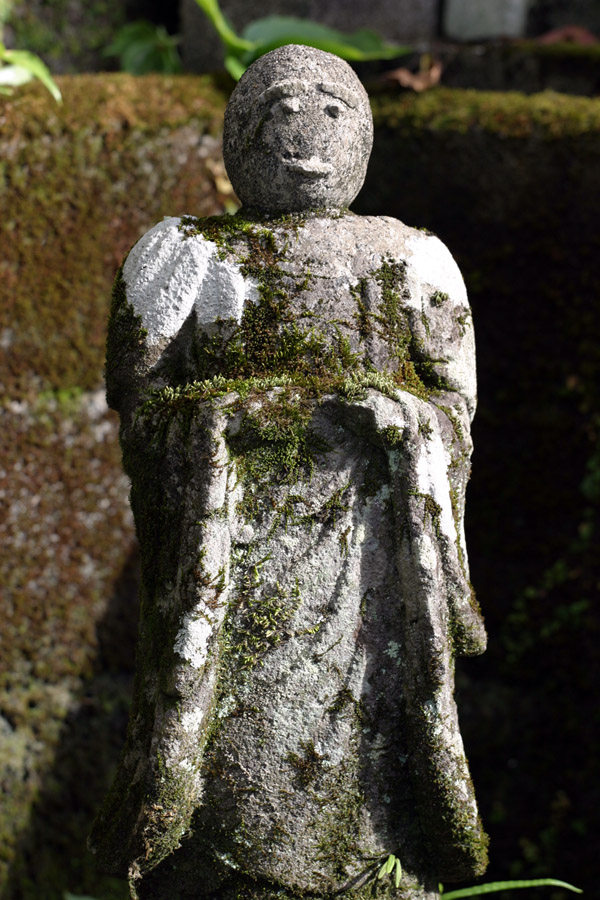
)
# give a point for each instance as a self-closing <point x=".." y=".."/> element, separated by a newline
<point x="226" y="232"/>
<point x="125" y="343"/>
<point x="68" y="36"/>
<point x="454" y="420"/>
<point x="307" y="765"/>
<point x="270" y="340"/>
<point x="329" y="512"/>
<point x="71" y="546"/>
<point x="547" y="115"/>
<point x="277" y="444"/>
<point x="258" y="619"/>
<point x="431" y="509"/>
<point x="462" y="320"/>
<point x="438" y="298"/>
<point x="95" y="149"/>
<point x="363" y="317"/>
<point x="340" y="820"/>
<point x="392" y="436"/>
<point x="456" y="839"/>
<point x="426" y="430"/>
<point x="391" y="277"/>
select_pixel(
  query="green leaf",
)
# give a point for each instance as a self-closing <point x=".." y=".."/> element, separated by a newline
<point x="368" y="40"/>
<point x="143" y="47"/>
<point x="127" y="35"/>
<point x="494" y="886"/>
<point x="389" y="865"/>
<point x="235" y="68"/>
<point x="277" y="31"/>
<point x="267" y="34"/>
<point x="233" y="43"/>
<point x="34" y="65"/>
<point x="383" y="870"/>
<point x="398" y="873"/>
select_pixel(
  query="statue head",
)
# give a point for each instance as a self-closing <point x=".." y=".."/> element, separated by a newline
<point x="298" y="132"/>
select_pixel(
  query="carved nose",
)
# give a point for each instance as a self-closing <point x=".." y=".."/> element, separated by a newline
<point x="291" y="105"/>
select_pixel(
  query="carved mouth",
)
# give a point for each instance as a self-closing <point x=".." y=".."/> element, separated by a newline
<point x="310" y="168"/>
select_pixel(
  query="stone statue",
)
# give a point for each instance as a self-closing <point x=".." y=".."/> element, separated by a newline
<point x="295" y="385"/>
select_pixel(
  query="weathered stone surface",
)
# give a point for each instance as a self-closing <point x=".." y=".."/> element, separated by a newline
<point x="295" y="396"/>
<point x="396" y="20"/>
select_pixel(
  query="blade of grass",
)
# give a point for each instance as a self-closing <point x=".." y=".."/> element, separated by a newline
<point x="493" y="886"/>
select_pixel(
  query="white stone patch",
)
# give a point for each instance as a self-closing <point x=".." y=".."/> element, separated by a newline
<point x="162" y="274"/>
<point x="167" y="275"/>
<point x="425" y="551"/>
<point x="436" y="267"/>
<point x="226" y="706"/>
<point x="224" y="292"/>
<point x="193" y="638"/>
<point x="432" y="479"/>
<point x="215" y="540"/>
<point x="216" y="489"/>
<point x="381" y="496"/>
<point x="192" y="719"/>
<point x="379" y="747"/>
<point x="246" y="534"/>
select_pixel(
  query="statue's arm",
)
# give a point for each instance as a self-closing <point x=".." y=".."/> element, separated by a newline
<point x="441" y="319"/>
<point x="172" y="281"/>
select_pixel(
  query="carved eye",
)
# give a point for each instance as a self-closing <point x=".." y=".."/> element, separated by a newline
<point x="333" y="110"/>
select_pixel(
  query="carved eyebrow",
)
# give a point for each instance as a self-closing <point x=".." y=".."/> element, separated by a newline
<point x="340" y="93"/>
<point x="282" y="89"/>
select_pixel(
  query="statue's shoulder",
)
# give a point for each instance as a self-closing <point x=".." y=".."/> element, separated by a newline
<point x="425" y="255"/>
<point x="175" y="267"/>
<point x="169" y="244"/>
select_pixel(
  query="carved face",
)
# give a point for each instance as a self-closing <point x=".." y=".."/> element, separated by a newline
<point x="298" y="132"/>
